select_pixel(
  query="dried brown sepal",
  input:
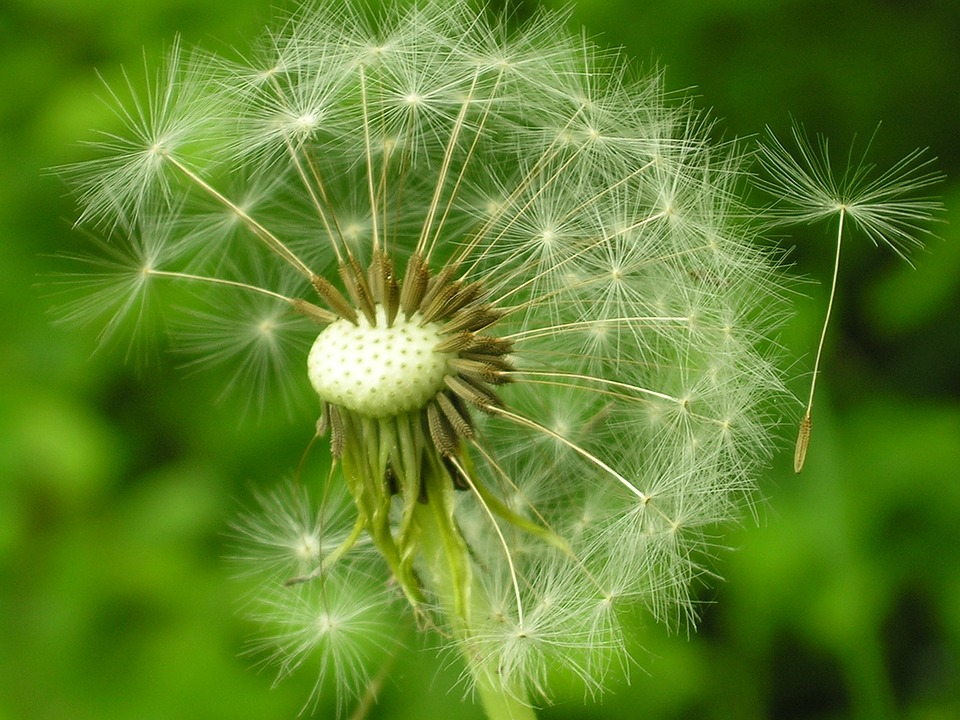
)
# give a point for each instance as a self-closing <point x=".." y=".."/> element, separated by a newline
<point x="435" y="303"/>
<point x="456" y="414"/>
<point x="456" y="343"/>
<point x="441" y="431"/>
<point x="386" y="291"/>
<point x="439" y="284"/>
<point x="498" y="362"/>
<point x="477" y="370"/>
<point x="465" y="295"/>
<point x="473" y="392"/>
<point x="355" y="283"/>
<point x="414" y="287"/>
<point x="333" y="298"/>
<point x="314" y="312"/>
<point x="472" y="319"/>
<point x="375" y="274"/>
<point x="487" y="345"/>
<point x="469" y="344"/>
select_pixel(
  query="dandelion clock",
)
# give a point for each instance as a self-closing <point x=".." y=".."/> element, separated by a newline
<point x="516" y="284"/>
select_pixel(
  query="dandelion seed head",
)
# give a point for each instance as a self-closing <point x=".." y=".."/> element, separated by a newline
<point x="518" y="291"/>
<point x="378" y="370"/>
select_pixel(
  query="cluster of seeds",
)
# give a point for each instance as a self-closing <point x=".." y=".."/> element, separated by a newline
<point x="419" y="348"/>
<point x="576" y="342"/>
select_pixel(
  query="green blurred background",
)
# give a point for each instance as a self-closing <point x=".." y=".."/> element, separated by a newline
<point x="116" y="484"/>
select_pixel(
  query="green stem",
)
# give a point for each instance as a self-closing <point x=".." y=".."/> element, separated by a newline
<point x="448" y="559"/>
<point x="500" y="704"/>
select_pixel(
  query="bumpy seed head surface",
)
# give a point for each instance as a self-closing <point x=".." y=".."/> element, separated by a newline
<point x="376" y="370"/>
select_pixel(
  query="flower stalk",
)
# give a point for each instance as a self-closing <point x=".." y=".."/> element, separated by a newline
<point x="450" y="579"/>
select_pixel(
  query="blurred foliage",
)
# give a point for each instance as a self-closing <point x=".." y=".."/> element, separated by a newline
<point x="117" y="483"/>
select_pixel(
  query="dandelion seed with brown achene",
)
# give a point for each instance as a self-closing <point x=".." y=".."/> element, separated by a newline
<point x="889" y="208"/>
